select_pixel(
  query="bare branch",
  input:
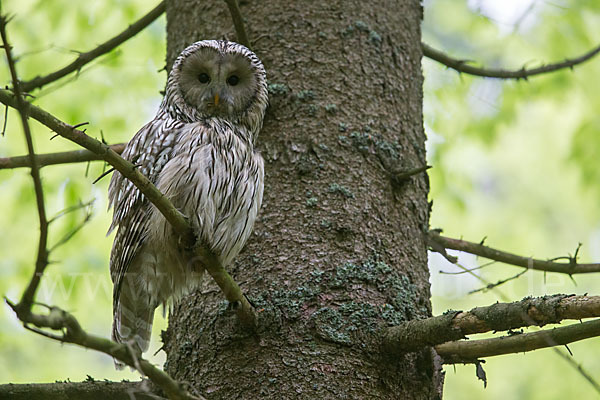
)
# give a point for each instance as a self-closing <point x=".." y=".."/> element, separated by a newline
<point x="490" y="285"/>
<point x="88" y="390"/>
<point x="570" y="268"/>
<point x="70" y="209"/>
<point x="64" y="157"/>
<point x="398" y="177"/>
<point x="21" y="105"/>
<point x="179" y="222"/>
<point x="523" y="73"/>
<point x="470" y="351"/>
<point x="91" y="55"/>
<point x="72" y="332"/>
<point x="71" y="233"/>
<point x="238" y="22"/>
<point x="455" y="325"/>
<point x="104" y="151"/>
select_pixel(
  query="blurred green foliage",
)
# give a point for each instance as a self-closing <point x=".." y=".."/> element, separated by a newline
<point x="516" y="162"/>
<point x="116" y="94"/>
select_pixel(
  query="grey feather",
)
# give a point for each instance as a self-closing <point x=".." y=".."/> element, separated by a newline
<point x="199" y="151"/>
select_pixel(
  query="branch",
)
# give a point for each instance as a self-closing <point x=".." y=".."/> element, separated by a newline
<point x="72" y="332"/>
<point x="58" y="319"/>
<point x="455" y="325"/>
<point x="179" y="222"/>
<point x="104" y="152"/>
<point x="523" y="73"/>
<point x="471" y="351"/>
<point x="104" y="48"/>
<point x="21" y="105"/>
<point x="570" y="268"/>
<point x="65" y="157"/>
<point x="238" y="22"/>
<point x="88" y="390"/>
<point x="399" y="176"/>
<point x="65" y="323"/>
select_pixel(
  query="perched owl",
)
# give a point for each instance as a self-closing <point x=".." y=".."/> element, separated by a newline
<point x="199" y="151"/>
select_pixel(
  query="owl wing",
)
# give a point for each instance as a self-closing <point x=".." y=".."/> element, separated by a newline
<point x="149" y="150"/>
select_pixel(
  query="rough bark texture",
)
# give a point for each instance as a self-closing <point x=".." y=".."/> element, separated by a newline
<point x="338" y="251"/>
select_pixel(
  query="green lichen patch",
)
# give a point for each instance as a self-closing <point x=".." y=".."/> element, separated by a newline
<point x="405" y="297"/>
<point x="361" y="26"/>
<point x="344" y="140"/>
<point x="344" y="191"/>
<point x="305" y="95"/>
<point x="344" y="324"/>
<point x="374" y="37"/>
<point x="342" y="127"/>
<point x="367" y="142"/>
<point x="331" y="108"/>
<point x="351" y="322"/>
<point x="311" y="201"/>
<point x="323" y="147"/>
<point x="317" y="275"/>
<point x="402" y="295"/>
<point x="330" y="325"/>
<point x="278" y="89"/>
<point x="369" y="272"/>
<point x="326" y="224"/>
<point x="287" y="303"/>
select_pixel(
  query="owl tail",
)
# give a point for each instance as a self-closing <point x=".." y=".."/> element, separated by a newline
<point x="133" y="314"/>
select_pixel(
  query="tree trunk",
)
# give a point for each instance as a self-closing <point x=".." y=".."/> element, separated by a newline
<point x="338" y="251"/>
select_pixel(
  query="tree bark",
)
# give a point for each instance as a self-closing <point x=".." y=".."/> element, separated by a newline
<point x="339" y="250"/>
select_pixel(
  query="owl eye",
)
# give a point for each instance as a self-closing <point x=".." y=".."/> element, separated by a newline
<point x="204" y="78"/>
<point x="233" y="80"/>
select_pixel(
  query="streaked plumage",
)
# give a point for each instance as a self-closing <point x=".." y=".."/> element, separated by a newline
<point x="199" y="151"/>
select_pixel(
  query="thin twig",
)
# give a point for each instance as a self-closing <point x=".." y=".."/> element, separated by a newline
<point x="70" y="209"/>
<point x="490" y="286"/>
<point x="523" y="73"/>
<point x="71" y="233"/>
<point x="468" y="270"/>
<point x="570" y="268"/>
<point x="63" y="157"/>
<point x="5" y="122"/>
<point x="238" y="22"/>
<point x="586" y="375"/>
<point x="41" y="262"/>
<point x="104" y="48"/>
<point x="481" y="279"/>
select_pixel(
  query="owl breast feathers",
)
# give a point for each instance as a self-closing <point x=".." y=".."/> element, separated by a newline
<point x="199" y="151"/>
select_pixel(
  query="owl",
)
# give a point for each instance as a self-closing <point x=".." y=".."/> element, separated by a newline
<point x="199" y="152"/>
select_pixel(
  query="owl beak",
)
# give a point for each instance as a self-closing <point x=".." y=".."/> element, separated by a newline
<point x="217" y="99"/>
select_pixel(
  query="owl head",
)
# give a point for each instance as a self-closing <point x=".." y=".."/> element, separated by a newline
<point x="216" y="78"/>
